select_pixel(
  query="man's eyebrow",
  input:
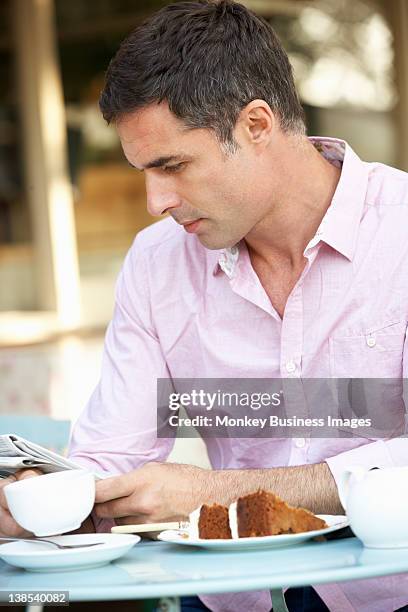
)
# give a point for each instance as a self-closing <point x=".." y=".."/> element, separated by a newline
<point x="161" y="161"/>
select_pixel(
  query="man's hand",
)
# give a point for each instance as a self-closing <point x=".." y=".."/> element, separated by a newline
<point x="8" y="526"/>
<point x="153" y="493"/>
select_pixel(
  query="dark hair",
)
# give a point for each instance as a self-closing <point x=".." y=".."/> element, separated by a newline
<point x="208" y="60"/>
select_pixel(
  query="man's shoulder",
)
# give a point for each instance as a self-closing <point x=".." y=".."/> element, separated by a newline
<point x="388" y="186"/>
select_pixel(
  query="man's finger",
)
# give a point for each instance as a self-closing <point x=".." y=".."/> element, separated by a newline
<point x="115" y="487"/>
<point x="3" y="483"/>
<point x="9" y="527"/>
<point x="19" y="475"/>
<point x="116" y="508"/>
<point x="27" y="473"/>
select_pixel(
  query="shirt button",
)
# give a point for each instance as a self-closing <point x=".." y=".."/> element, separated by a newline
<point x="300" y="442"/>
<point x="290" y="366"/>
<point x="371" y="341"/>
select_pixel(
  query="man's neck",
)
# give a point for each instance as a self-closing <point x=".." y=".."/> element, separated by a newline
<point x="305" y="191"/>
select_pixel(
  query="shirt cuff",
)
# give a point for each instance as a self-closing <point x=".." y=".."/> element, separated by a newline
<point x="371" y="455"/>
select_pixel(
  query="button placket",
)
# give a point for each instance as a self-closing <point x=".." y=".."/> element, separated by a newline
<point x="291" y="355"/>
<point x="292" y="335"/>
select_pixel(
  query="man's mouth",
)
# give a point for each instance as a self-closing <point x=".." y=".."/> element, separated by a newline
<point x="191" y="226"/>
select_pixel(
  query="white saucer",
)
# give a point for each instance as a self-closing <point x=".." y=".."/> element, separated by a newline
<point x="37" y="557"/>
<point x="275" y="541"/>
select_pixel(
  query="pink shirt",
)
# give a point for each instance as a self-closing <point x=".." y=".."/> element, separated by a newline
<point x="188" y="312"/>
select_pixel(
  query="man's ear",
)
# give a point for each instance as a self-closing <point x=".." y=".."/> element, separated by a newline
<point x="257" y="121"/>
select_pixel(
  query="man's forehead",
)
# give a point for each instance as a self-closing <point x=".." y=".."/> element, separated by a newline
<point x="153" y="136"/>
<point x="154" y="121"/>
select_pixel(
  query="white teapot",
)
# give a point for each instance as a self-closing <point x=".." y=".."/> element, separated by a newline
<point x="376" y="503"/>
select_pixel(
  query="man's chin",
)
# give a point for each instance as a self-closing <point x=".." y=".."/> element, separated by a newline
<point x="213" y="244"/>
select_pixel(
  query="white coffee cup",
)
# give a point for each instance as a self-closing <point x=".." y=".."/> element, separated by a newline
<point x="376" y="503"/>
<point x="52" y="503"/>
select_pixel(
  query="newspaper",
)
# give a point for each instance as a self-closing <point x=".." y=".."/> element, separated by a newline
<point x="16" y="453"/>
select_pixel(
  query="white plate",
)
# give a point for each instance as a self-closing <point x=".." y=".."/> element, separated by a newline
<point x="274" y="541"/>
<point x="42" y="557"/>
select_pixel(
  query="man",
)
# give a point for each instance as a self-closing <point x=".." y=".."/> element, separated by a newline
<point x="287" y="259"/>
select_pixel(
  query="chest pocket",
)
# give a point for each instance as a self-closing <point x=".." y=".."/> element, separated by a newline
<point x="375" y="353"/>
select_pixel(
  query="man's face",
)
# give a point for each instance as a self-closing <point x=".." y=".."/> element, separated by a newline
<point x="215" y="195"/>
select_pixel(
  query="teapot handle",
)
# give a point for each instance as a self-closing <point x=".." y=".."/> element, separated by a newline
<point x="359" y="472"/>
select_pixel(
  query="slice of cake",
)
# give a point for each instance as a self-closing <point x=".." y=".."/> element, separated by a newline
<point x="213" y="522"/>
<point x="258" y="514"/>
<point x="264" y="513"/>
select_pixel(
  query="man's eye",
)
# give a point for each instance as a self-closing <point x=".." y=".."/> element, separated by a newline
<point x="174" y="168"/>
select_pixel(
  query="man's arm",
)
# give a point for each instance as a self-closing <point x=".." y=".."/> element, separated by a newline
<point x="169" y="491"/>
<point x="117" y="431"/>
<point x="308" y="486"/>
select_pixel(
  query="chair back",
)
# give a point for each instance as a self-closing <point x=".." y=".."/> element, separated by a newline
<point x="50" y="433"/>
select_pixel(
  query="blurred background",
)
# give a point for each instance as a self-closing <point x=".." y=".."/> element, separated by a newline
<point x="69" y="203"/>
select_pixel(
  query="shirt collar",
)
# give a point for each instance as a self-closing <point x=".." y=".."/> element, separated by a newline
<point x="340" y="225"/>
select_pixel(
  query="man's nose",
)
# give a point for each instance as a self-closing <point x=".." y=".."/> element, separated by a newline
<point x="160" y="196"/>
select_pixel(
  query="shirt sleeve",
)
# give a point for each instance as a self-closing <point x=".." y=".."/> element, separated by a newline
<point x="117" y="431"/>
<point x="382" y="453"/>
